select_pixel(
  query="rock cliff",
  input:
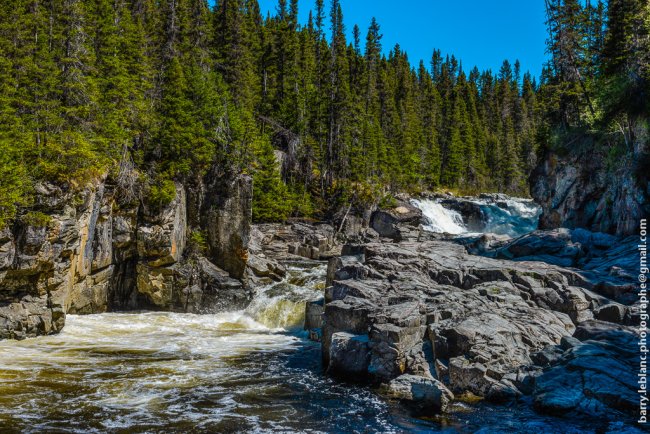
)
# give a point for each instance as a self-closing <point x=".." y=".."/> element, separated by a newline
<point x="583" y="188"/>
<point x="89" y="253"/>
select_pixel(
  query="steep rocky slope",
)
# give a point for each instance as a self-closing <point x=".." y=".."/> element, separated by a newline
<point x="584" y="188"/>
<point x="90" y="254"/>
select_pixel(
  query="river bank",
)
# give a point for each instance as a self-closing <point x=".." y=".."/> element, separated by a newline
<point x="449" y="315"/>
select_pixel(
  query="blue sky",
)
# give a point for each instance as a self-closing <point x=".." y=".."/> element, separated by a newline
<point x="478" y="32"/>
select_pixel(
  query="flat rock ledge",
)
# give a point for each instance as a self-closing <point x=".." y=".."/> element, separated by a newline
<point x="427" y="320"/>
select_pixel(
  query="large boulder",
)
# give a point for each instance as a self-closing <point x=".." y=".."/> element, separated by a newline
<point x="424" y="393"/>
<point x="349" y="355"/>
<point x="390" y="223"/>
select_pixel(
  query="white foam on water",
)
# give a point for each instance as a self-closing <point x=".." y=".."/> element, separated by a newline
<point x="136" y="367"/>
<point x="440" y="219"/>
<point x="517" y="217"/>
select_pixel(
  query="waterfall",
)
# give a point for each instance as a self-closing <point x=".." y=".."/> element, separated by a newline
<point x="513" y="217"/>
<point x="440" y="219"/>
<point x="282" y="305"/>
<point x="507" y="216"/>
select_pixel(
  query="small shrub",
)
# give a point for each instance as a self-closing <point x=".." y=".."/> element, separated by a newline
<point x="162" y="193"/>
<point x="198" y="241"/>
<point x="36" y="219"/>
<point x="388" y="201"/>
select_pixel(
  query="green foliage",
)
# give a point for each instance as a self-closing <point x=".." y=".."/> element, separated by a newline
<point x="178" y="87"/>
<point x="162" y="192"/>
<point x="15" y="185"/>
<point x="595" y="89"/>
<point x="198" y="241"/>
<point x="36" y="219"/>
<point x="302" y="203"/>
<point x="388" y="201"/>
<point x="271" y="198"/>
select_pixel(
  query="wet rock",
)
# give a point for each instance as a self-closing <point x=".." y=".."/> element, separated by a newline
<point x="613" y="312"/>
<point x="473" y="216"/>
<point x="350" y="315"/>
<point x="263" y="267"/>
<point x="596" y="377"/>
<point x="349" y="355"/>
<point x="32" y="316"/>
<point x="314" y="315"/>
<point x="220" y="292"/>
<point x="424" y="393"/>
<point x="553" y="247"/>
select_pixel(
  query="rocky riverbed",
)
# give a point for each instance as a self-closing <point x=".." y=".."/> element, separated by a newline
<point x="438" y="306"/>
<point x="435" y="319"/>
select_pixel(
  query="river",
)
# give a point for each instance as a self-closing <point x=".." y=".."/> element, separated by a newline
<point x="245" y="371"/>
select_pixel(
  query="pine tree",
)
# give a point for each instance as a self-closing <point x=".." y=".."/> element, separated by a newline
<point x="182" y="89"/>
<point x="626" y="56"/>
<point x="271" y="200"/>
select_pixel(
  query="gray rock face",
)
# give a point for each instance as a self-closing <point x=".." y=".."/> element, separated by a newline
<point x="273" y="243"/>
<point x="96" y="254"/>
<point x="314" y="315"/>
<point x="47" y="270"/>
<point x="30" y="317"/>
<point x="160" y="245"/>
<point x="594" y="376"/>
<point x="424" y="393"/>
<point x="228" y="216"/>
<point x="579" y="191"/>
<point x="431" y="310"/>
<point x="608" y="263"/>
<point x="349" y="355"/>
<point x="205" y="288"/>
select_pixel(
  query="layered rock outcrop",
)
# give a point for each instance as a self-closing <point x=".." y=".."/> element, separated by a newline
<point x="580" y="190"/>
<point x="419" y="313"/>
<point x="89" y="253"/>
<point x="607" y="261"/>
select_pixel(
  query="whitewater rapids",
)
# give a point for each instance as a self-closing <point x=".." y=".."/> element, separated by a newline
<point x="513" y="217"/>
<point x="244" y="371"/>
